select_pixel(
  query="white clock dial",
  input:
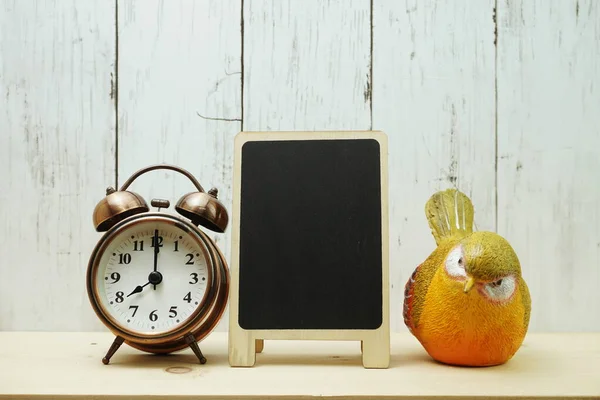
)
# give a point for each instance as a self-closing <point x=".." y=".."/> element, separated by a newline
<point x="151" y="297"/>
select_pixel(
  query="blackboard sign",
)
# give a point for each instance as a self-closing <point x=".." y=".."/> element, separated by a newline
<point x="309" y="254"/>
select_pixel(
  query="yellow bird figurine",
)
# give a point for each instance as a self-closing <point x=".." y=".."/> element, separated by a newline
<point x="467" y="303"/>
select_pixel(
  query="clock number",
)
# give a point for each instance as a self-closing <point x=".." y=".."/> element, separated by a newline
<point x="160" y="240"/>
<point x="173" y="312"/>
<point x="188" y="297"/>
<point x="176" y="245"/>
<point x="124" y="258"/>
<point x="153" y="317"/>
<point x="115" y="276"/>
<point x="135" y="308"/>
<point x="190" y="260"/>
<point x="138" y="245"/>
<point x="194" y="278"/>
<point x="119" y="298"/>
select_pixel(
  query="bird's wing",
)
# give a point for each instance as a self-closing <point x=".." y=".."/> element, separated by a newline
<point x="526" y="299"/>
<point x="409" y="300"/>
<point x="415" y="291"/>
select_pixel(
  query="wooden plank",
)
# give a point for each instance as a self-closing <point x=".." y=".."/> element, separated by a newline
<point x="548" y="141"/>
<point x="180" y="96"/>
<point x="306" y="65"/>
<point x="56" y="156"/>
<point x="433" y="94"/>
<point x="549" y="366"/>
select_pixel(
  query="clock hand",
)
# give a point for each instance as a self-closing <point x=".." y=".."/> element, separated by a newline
<point x="156" y="250"/>
<point x="154" y="278"/>
<point x="138" y="289"/>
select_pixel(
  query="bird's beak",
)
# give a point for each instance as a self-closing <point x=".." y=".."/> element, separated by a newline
<point x="469" y="284"/>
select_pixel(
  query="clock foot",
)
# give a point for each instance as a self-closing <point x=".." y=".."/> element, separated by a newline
<point x="113" y="349"/>
<point x="191" y="341"/>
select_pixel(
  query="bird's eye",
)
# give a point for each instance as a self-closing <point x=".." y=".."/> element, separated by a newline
<point x="501" y="289"/>
<point x="455" y="263"/>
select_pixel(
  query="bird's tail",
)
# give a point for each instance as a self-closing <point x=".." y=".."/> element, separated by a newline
<point x="449" y="213"/>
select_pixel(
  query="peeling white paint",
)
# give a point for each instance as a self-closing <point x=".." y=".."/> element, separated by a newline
<point x="500" y="103"/>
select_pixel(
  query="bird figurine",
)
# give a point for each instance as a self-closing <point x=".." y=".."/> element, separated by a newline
<point x="467" y="303"/>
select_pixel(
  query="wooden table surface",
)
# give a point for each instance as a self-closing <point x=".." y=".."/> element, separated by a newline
<point x="53" y="365"/>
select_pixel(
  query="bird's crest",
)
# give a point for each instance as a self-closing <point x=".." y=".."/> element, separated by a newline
<point x="449" y="213"/>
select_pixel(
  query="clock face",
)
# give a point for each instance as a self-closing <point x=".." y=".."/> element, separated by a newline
<point x="152" y="277"/>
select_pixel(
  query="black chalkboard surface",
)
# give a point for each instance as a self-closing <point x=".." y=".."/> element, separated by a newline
<point x="310" y="235"/>
<point x="309" y="255"/>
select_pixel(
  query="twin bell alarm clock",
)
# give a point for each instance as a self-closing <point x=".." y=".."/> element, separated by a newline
<point x="155" y="279"/>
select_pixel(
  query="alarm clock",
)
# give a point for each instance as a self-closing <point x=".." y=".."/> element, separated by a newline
<point x="155" y="279"/>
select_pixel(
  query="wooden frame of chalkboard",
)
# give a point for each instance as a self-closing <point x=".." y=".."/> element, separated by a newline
<point x="309" y="254"/>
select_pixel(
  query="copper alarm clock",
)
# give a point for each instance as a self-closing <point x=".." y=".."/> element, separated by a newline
<point x="155" y="279"/>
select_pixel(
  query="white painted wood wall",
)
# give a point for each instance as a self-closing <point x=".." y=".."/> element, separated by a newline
<point x="500" y="98"/>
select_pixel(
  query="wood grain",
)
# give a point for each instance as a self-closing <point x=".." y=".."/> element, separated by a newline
<point x="548" y="141"/>
<point x="431" y="76"/>
<point x="306" y="65"/>
<point x="57" y="140"/>
<point x="433" y="94"/>
<point x="549" y="366"/>
<point x="180" y="96"/>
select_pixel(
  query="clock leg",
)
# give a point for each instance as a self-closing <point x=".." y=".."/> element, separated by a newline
<point x="113" y="349"/>
<point x="191" y="341"/>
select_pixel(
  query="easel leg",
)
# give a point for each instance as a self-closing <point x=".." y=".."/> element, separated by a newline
<point x="242" y="348"/>
<point x="260" y="345"/>
<point x="375" y="353"/>
<point x="113" y="349"/>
